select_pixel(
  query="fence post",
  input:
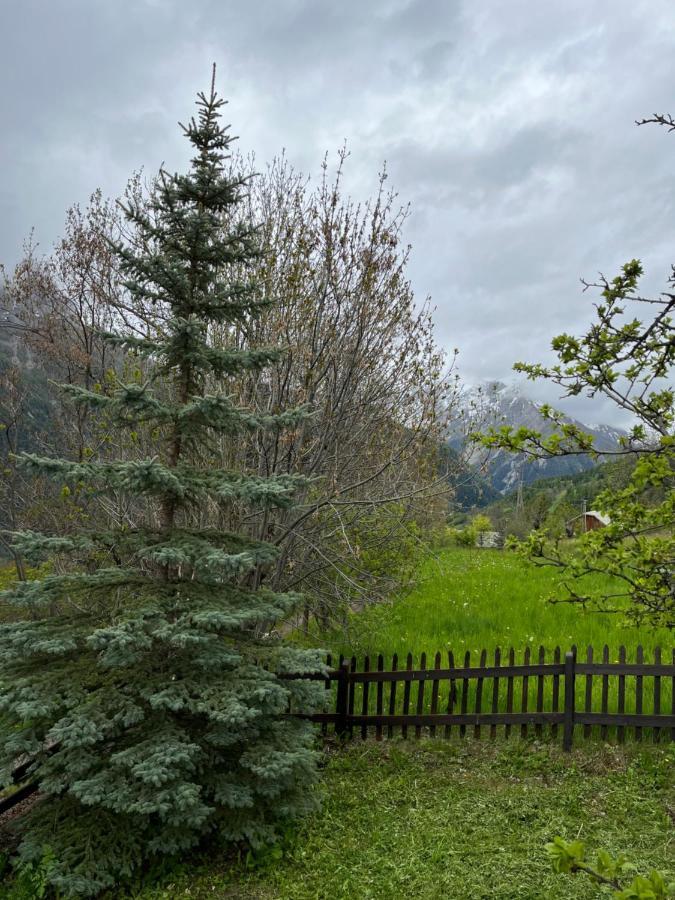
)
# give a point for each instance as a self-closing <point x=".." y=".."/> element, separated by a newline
<point x="341" y="702"/>
<point x="568" y="724"/>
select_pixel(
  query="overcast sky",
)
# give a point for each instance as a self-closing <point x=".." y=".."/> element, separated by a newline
<point x="507" y="124"/>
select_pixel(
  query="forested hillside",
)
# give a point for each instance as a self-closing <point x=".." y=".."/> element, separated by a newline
<point x="552" y="502"/>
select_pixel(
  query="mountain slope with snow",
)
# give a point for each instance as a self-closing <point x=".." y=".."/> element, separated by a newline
<point x="501" y="405"/>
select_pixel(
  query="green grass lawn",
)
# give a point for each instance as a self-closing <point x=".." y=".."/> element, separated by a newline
<point x="469" y="599"/>
<point x="466" y="819"/>
<point x="452" y="820"/>
<point x="463" y="819"/>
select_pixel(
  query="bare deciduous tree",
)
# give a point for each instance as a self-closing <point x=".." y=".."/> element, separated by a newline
<point x="364" y="358"/>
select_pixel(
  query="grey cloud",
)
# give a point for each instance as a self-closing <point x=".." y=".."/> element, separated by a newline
<point x="509" y="127"/>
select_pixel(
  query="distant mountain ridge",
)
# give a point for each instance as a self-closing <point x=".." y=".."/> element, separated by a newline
<point x="499" y="405"/>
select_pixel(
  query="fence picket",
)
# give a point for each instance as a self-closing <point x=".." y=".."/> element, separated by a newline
<point x="452" y="692"/>
<point x="434" y="693"/>
<point x="364" y="703"/>
<point x="621" y="706"/>
<point x="555" y="692"/>
<point x="406" y="696"/>
<point x="392" y="694"/>
<point x="589" y="691"/>
<point x="420" y="694"/>
<point x="538" y="728"/>
<point x="524" y="693"/>
<point x="638" y="692"/>
<point x="495" y="693"/>
<point x="509" y="691"/>
<point x="479" y="694"/>
<point x="342" y="700"/>
<point x="656" y="732"/>
<point x="568" y="732"/>
<point x="380" y="697"/>
<point x="327" y="685"/>
<point x="605" y="691"/>
<point x="465" y="692"/>
<point x="351" y="695"/>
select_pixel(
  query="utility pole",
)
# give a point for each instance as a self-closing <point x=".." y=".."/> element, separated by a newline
<point x="520" y="503"/>
<point x="583" y="513"/>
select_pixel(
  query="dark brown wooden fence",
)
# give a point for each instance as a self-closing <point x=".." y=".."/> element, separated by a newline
<point x="601" y="698"/>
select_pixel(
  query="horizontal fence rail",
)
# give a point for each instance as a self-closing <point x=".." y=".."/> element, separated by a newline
<point x="603" y="698"/>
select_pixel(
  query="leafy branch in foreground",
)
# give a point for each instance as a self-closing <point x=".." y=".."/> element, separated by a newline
<point x="607" y="870"/>
<point x="629" y="361"/>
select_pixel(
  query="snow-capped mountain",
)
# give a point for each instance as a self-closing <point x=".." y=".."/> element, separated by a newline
<point x="499" y="404"/>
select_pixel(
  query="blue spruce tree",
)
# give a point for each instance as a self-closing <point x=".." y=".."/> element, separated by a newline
<point x="141" y="683"/>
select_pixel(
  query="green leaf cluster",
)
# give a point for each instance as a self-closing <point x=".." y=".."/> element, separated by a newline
<point x="570" y="857"/>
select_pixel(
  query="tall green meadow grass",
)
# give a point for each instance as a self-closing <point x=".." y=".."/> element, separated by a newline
<point x="471" y="599"/>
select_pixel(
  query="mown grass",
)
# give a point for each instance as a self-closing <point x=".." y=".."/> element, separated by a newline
<point x="456" y="820"/>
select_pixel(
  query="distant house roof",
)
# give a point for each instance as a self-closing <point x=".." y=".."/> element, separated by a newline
<point x="596" y="515"/>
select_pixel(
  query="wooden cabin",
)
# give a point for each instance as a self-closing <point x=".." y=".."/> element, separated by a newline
<point x="587" y="521"/>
